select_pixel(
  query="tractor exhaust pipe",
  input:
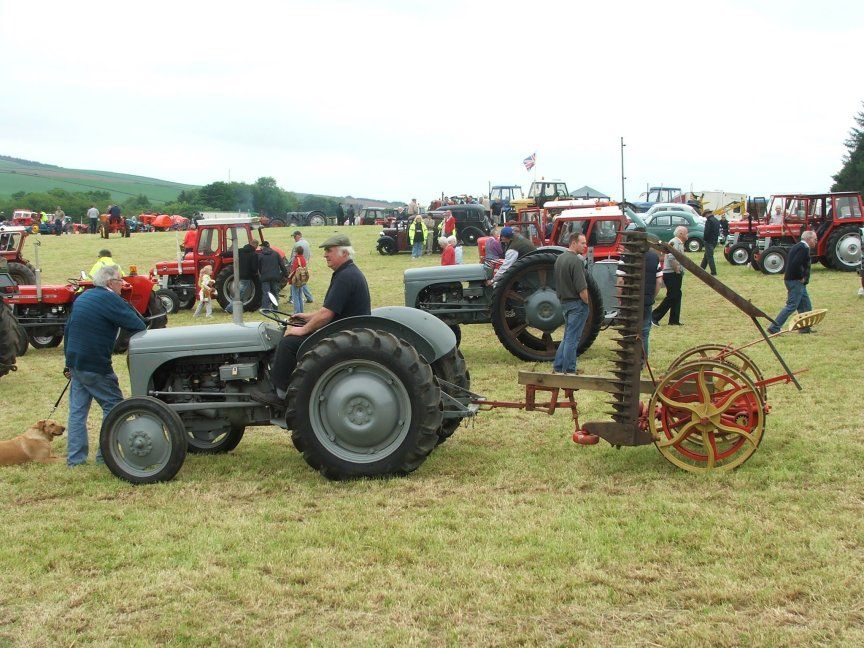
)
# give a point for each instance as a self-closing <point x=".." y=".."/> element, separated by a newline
<point x="237" y="297"/>
<point x="36" y="245"/>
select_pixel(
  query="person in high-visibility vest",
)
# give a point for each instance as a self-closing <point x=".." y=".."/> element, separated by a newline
<point x="103" y="260"/>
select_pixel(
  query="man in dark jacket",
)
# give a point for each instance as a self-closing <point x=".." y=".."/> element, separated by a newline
<point x="272" y="270"/>
<point x="796" y="278"/>
<point x="89" y="340"/>
<point x="248" y="270"/>
<point x="515" y="247"/>
<point x="712" y="233"/>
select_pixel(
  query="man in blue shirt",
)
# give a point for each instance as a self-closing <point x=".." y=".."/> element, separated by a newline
<point x="90" y="333"/>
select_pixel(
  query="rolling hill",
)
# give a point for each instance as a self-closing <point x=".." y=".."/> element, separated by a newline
<point x="25" y="175"/>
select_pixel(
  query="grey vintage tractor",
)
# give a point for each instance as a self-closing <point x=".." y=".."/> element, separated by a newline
<point x="371" y="395"/>
<point x="522" y="305"/>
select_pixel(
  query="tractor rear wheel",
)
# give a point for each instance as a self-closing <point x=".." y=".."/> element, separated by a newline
<point x="773" y="260"/>
<point x="364" y="404"/>
<point x="225" y="290"/>
<point x="452" y="369"/>
<point x="8" y="339"/>
<point x="526" y="312"/>
<point x="143" y="441"/>
<point x="843" y="249"/>
<point x="739" y="254"/>
<point x="316" y="220"/>
<point x="22" y="274"/>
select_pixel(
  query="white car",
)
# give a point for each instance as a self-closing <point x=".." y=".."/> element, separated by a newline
<point x="673" y="207"/>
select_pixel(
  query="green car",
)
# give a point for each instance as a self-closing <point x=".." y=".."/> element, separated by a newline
<point x="662" y="224"/>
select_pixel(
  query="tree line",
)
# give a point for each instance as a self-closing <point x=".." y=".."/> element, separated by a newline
<point x="851" y="176"/>
<point x="263" y="197"/>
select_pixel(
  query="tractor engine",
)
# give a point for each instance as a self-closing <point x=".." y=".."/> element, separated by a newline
<point x="453" y="302"/>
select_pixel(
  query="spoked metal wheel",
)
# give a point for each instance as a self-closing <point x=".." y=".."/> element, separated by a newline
<point x="527" y="314"/>
<point x="143" y="441"/>
<point x="727" y="355"/>
<point x="708" y="416"/>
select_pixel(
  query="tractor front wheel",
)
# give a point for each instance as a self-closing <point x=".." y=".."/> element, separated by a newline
<point x="773" y="260"/>
<point x="170" y="300"/>
<point x="143" y="441"/>
<point x="739" y="254"/>
<point x="45" y="337"/>
<point x="365" y="404"/>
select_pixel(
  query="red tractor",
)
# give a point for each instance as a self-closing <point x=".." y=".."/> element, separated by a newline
<point x="43" y="310"/>
<point x="178" y="280"/>
<point x="108" y="226"/>
<point x="12" y="239"/>
<point x="836" y="218"/>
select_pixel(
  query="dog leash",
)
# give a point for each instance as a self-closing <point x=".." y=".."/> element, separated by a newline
<point x="59" y="398"/>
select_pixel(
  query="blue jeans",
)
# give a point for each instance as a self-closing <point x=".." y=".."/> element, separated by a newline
<point x="417" y="249"/>
<point x="273" y="288"/>
<point x="86" y="386"/>
<point x="307" y="293"/>
<point x="796" y="299"/>
<point x="646" y="329"/>
<point x="297" y="298"/>
<point x="575" y="316"/>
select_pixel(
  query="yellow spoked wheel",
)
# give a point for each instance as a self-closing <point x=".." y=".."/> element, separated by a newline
<point x="727" y="355"/>
<point x="708" y="416"/>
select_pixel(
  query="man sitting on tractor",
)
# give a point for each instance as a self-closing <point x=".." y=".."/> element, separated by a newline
<point x="347" y="296"/>
<point x="114" y="214"/>
<point x="515" y="246"/>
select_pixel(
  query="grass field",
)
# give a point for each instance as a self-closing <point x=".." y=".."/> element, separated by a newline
<point x="508" y="534"/>
<point x="17" y="176"/>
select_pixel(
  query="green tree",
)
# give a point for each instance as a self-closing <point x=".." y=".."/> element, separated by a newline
<point x="217" y="196"/>
<point x="851" y="176"/>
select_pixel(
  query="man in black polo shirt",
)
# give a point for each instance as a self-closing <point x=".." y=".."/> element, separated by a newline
<point x="347" y="296"/>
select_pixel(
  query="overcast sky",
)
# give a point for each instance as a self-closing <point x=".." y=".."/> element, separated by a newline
<point x="401" y="99"/>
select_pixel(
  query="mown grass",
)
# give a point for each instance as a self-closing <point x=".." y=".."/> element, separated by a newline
<point x="508" y="534"/>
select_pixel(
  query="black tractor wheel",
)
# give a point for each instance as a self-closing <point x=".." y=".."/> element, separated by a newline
<point x="22" y="274"/>
<point x="470" y="235"/>
<point x="225" y="290"/>
<point x="317" y="219"/>
<point x="155" y="317"/>
<point x="773" y="260"/>
<point x="755" y="263"/>
<point x="386" y="245"/>
<point x="526" y="312"/>
<point x="216" y="441"/>
<point x="457" y="331"/>
<point x="185" y="297"/>
<point x="170" y="300"/>
<point x="143" y="441"/>
<point x="364" y="404"/>
<point x="452" y="369"/>
<point x="739" y="254"/>
<point x="23" y="343"/>
<point x="843" y="249"/>
<point x="45" y="337"/>
<point x="693" y="245"/>
<point x="8" y="339"/>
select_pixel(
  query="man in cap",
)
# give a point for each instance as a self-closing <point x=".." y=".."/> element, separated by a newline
<point x="300" y="242"/>
<point x="515" y="246"/>
<point x="347" y="296"/>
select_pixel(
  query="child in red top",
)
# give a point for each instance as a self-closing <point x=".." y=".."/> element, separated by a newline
<point x="298" y="277"/>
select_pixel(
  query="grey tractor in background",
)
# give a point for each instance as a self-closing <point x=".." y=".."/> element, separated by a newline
<point x="371" y="396"/>
<point x="522" y="306"/>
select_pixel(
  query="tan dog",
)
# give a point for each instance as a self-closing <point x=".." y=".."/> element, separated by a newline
<point x="33" y="445"/>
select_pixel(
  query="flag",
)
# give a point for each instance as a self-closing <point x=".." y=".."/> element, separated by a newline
<point x="530" y="161"/>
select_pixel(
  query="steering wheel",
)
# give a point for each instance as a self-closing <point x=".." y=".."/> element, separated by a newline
<point x="273" y="314"/>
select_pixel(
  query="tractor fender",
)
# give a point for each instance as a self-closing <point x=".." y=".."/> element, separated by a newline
<point x="554" y="249"/>
<point x="429" y="336"/>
